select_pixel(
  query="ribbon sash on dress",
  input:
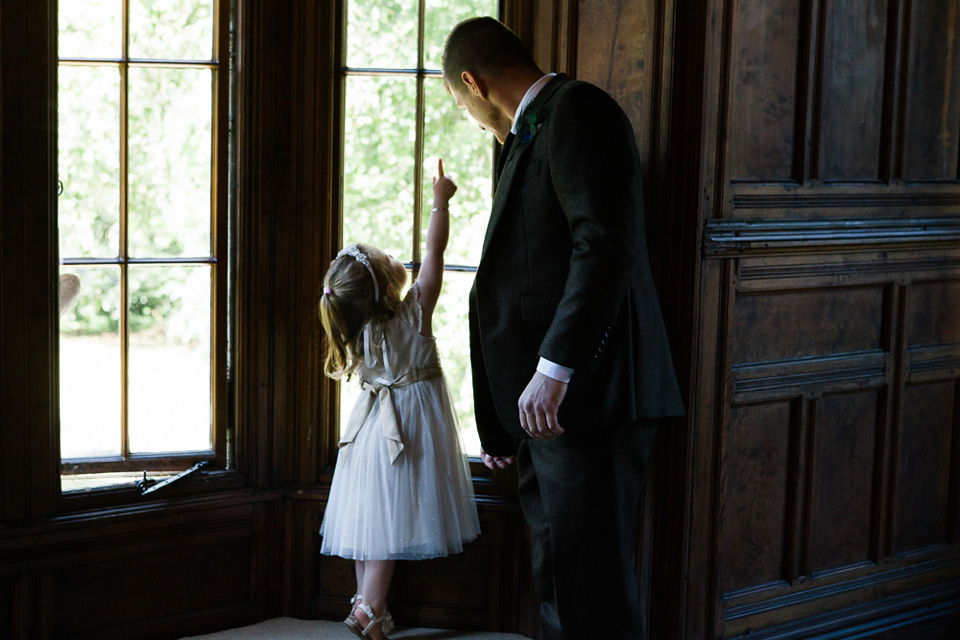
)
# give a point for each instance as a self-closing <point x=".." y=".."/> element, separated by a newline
<point x="380" y="389"/>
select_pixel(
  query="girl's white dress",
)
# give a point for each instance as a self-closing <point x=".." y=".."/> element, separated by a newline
<point x="401" y="488"/>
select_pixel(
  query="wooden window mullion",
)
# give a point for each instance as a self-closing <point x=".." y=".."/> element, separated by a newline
<point x="124" y="227"/>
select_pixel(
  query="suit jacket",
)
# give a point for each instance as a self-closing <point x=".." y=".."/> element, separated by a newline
<point x="565" y="275"/>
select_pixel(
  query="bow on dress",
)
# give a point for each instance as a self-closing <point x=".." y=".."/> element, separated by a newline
<point x="379" y="389"/>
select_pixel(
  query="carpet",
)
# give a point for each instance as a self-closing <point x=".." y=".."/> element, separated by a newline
<point x="294" y="629"/>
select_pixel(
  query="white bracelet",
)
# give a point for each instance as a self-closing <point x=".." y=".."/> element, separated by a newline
<point x="435" y="209"/>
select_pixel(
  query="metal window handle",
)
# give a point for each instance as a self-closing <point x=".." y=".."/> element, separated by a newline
<point x="149" y="486"/>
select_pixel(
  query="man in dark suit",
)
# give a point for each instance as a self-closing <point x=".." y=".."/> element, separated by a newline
<point x="571" y="368"/>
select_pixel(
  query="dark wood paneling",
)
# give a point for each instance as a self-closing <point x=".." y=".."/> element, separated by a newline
<point x="854" y="57"/>
<point x="153" y="571"/>
<point x="6" y="606"/>
<point x="926" y="466"/>
<point x="764" y="89"/>
<point x="931" y="139"/>
<point x="802" y="324"/>
<point x="845" y="496"/>
<point x="755" y="489"/>
<point x="618" y="50"/>
<point x="29" y="441"/>
<point x="933" y="313"/>
<point x="148" y="588"/>
<point x="828" y="317"/>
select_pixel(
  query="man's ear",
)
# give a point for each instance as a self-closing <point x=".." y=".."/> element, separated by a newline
<point x="475" y="84"/>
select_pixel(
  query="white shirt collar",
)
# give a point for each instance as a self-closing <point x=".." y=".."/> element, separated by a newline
<point x="528" y="98"/>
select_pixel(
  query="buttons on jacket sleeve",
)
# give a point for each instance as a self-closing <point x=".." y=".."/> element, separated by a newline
<point x="603" y="342"/>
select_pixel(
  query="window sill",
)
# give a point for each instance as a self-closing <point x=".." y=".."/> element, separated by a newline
<point x="123" y="495"/>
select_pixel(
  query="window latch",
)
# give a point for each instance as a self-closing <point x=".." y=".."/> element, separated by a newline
<point x="148" y="485"/>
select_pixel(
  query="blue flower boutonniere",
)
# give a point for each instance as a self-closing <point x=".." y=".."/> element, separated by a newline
<point x="530" y="124"/>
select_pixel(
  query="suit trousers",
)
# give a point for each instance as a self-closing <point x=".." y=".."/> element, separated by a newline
<point x="580" y="495"/>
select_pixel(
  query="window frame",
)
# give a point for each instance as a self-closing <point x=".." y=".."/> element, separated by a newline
<point x="219" y="260"/>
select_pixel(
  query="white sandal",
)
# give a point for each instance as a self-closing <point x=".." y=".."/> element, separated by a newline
<point x="385" y="621"/>
<point x="351" y="620"/>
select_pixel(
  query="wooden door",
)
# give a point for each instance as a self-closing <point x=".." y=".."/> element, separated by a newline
<point x="824" y="437"/>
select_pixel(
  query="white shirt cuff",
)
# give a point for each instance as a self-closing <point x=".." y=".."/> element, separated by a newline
<point x="554" y="370"/>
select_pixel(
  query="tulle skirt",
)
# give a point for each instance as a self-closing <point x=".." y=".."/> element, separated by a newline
<point x="421" y="506"/>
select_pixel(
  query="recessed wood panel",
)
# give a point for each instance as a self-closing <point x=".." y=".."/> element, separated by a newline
<point x="933" y="313"/>
<point x="6" y="607"/>
<point x="763" y="107"/>
<point x="928" y="426"/>
<point x="800" y="324"/>
<point x="855" y="33"/>
<point x="843" y="470"/>
<point x="137" y="589"/>
<point x="932" y="130"/>
<point x="615" y="51"/>
<point x="754" y="489"/>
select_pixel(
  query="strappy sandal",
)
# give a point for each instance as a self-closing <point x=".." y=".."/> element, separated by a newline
<point x="353" y="623"/>
<point x="351" y="620"/>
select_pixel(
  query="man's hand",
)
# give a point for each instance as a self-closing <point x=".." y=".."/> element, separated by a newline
<point x="495" y="462"/>
<point x="539" y="404"/>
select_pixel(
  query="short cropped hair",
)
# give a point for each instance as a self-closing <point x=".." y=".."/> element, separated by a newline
<point x="483" y="45"/>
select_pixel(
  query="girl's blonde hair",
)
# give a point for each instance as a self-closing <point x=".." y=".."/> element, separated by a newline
<point x="348" y="303"/>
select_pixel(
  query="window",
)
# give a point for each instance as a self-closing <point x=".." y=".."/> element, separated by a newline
<point x="142" y="132"/>
<point x="399" y="120"/>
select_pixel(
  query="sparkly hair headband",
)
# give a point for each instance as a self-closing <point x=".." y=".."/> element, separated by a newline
<point x="362" y="258"/>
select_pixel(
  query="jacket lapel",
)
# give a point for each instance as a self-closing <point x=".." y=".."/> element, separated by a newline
<point x="510" y="157"/>
<point x="505" y="153"/>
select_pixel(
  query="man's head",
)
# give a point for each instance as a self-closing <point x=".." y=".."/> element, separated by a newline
<point x="485" y="66"/>
<point x="483" y="46"/>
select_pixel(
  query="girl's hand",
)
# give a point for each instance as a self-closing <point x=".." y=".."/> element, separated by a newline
<point x="430" y="280"/>
<point x="443" y="188"/>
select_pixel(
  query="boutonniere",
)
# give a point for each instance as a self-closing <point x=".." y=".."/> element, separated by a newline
<point x="530" y="124"/>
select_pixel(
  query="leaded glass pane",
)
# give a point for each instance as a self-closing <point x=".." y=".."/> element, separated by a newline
<point x="90" y="378"/>
<point x="171" y="29"/>
<point x="90" y="28"/>
<point x="442" y="16"/>
<point x="451" y="328"/>
<point x="169" y="171"/>
<point x="467" y="153"/>
<point x="169" y="362"/>
<point x="382" y="34"/>
<point x="379" y="144"/>
<point x="89" y="161"/>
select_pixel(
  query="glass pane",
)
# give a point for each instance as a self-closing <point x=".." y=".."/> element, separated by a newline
<point x="451" y="327"/>
<point x="90" y="28"/>
<point x="90" y="365"/>
<point x="379" y="141"/>
<point x="89" y="148"/>
<point x="442" y="16"/>
<point x="171" y="29"/>
<point x="382" y="34"/>
<point x="467" y="153"/>
<point x="169" y="362"/>
<point x="169" y="162"/>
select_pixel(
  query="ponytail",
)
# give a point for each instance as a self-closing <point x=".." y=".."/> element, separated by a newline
<point x="354" y="293"/>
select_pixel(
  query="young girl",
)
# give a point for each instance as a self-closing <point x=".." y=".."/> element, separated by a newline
<point x="401" y="488"/>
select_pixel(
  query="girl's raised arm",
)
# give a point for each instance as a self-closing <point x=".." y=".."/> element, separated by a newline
<point x="438" y="231"/>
